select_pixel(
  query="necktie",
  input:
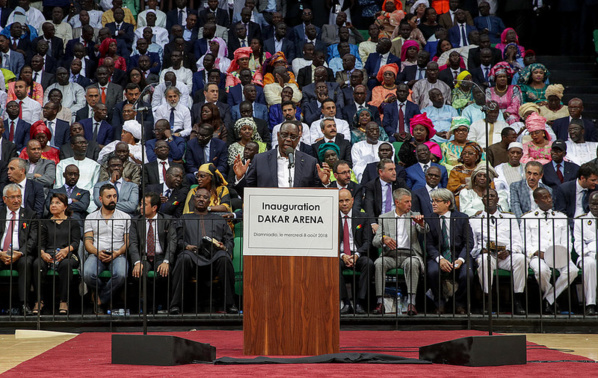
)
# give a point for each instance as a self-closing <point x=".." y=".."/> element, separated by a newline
<point x="11" y="133"/>
<point x="35" y="77"/>
<point x="420" y="73"/>
<point x="446" y="250"/>
<point x="8" y="239"/>
<point x="426" y="168"/>
<point x="584" y="202"/>
<point x="388" y="204"/>
<point x="167" y="193"/>
<point x="559" y="173"/>
<point x="243" y="44"/>
<point x="485" y="74"/>
<point x="5" y="60"/>
<point x="103" y="95"/>
<point x="493" y="219"/>
<point x="463" y="36"/>
<point x="163" y="170"/>
<point x="181" y="17"/>
<point x="151" y="241"/>
<point x="69" y="190"/>
<point x="96" y="127"/>
<point x="49" y="125"/>
<point x="346" y="236"/>
<point x="401" y="118"/>
<point x="171" y="118"/>
<point x="20" y="109"/>
<point x="546" y="215"/>
<point x="116" y="188"/>
<point x="14" y="44"/>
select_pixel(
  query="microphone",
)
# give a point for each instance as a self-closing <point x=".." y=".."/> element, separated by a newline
<point x="144" y="91"/>
<point x="291" y="155"/>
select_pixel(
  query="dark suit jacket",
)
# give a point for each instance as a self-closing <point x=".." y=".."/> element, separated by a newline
<point x="445" y="20"/>
<point x="61" y="132"/>
<point x="129" y="35"/>
<point x="564" y="199"/>
<point x="416" y="178"/>
<point x="222" y="17"/>
<point x="16" y="62"/>
<point x="78" y="208"/>
<point x="304" y="76"/>
<point x="343" y="144"/>
<point x="298" y="35"/>
<point x="477" y="75"/>
<point x="9" y="150"/>
<point x="421" y="202"/>
<point x="474" y="61"/>
<point x="460" y="238"/>
<point x="68" y="50"/>
<point x="348" y="111"/>
<point x="263" y="171"/>
<point x="319" y="46"/>
<point x="225" y="112"/>
<point x="551" y="179"/>
<point x="373" y="195"/>
<point x="200" y="47"/>
<point x="114" y="95"/>
<point x="391" y="117"/>
<point x="454" y="34"/>
<point x="362" y="233"/>
<point x="372" y="65"/>
<point x="371" y="173"/>
<point x="93" y="151"/>
<point x="150" y="171"/>
<point x="83" y="81"/>
<point x="408" y="74"/>
<point x="46" y="79"/>
<point x="105" y="133"/>
<point x="6" y="11"/>
<point x="34" y="199"/>
<point x="446" y="75"/>
<point x="24" y="43"/>
<point x="194" y="156"/>
<point x="334" y="92"/>
<point x="57" y="50"/>
<point x="233" y="41"/>
<point x="148" y="120"/>
<point x="21" y="136"/>
<point x="235" y="95"/>
<point x="90" y="68"/>
<point x="561" y="129"/>
<point x="154" y="58"/>
<point x="27" y="229"/>
<point x="172" y="16"/>
<point x="177" y="196"/>
<point x="166" y="230"/>
<point x="288" y="48"/>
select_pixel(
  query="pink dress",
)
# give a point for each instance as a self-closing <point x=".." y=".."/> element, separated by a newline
<point x="509" y="102"/>
<point x="531" y="152"/>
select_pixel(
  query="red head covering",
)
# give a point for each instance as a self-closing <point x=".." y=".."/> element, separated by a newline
<point x="503" y="36"/>
<point x="241" y="52"/>
<point x="422" y="119"/>
<point x="39" y="127"/>
<point x="387" y="67"/>
<point x="407" y="44"/>
<point x="104" y="46"/>
<point x="398" y="4"/>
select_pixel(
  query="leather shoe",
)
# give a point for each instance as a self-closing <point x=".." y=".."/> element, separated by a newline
<point x="379" y="309"/>
<point x="359" y="309"/>
<point x="440" y="310"/>
<point x="346" y="309"/>
<point x="175" y="310"/>
<point x="411" y="310"/>
<point x="232" y="310"/>
<point x="549" y="308"/>
<point x="591" y="310"/>
<point x="460" y="310"/>
<point x="518" y="310"/>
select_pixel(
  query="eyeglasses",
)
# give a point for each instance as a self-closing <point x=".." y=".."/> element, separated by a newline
<point x="289" y="136"/>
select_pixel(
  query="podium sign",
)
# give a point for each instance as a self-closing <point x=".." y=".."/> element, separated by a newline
<point x="290" y="252"/>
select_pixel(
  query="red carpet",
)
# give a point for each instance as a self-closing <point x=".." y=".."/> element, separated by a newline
<point x="90" y="353"/>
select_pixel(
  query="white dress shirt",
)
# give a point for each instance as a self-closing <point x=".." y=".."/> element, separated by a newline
<point x="342" y="127"/>
<point x="305" y="137"/>
<point x="182" y="118"/>
<point x="73" y="95"/>
<point x="159" y="99"/>
<point x="282" y="164"/>
<point x="31" y="110"/>
<point x="15" y="230"/>
<point x="362" y="154"/>
<point x="349" y="215"/>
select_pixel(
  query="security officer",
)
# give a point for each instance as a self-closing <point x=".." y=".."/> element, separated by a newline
<point x="544" y="228"/>
<point x="585" y="245"/>
<point x="506" y="247"/>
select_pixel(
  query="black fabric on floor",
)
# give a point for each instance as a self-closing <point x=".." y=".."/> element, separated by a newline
<point x="335" y="358"/>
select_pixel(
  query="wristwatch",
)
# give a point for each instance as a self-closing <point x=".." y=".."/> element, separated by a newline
<point x="209" y="209"/>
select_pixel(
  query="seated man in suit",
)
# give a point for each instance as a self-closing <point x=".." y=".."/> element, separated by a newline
<point x="75" y="77"/>
<point x="306" y="75"/>
<point x="222" y="17"/>
<point x="357" y="101"/>
<point x="474" y="58"/>
<point x="40" y="170"/>
<point x="312" y="110"/>
<point x="259" y="110"/>
<point x="397" y="234"/>
<point x="120" y="29"/>
<point x="16" y="60"/>
<point x="561" y="126"/>
<point x="96" y="128"/>
<point x="481" y="74"/>
<point x="78" y="197"/>
<point x="411" y="74"/>
<point x="342" y="175"/>
<point x="448" y="245"/>
<point x="176" y="145"/>
<point x="458" y="34"/>
<point x="571" y="197"/>
<point x="155" y="171"/>
<point x="269" y="170"/>
<point x="39" y="74"/>
<point x="421" y="197"/>
<point x="48" y="34"/>
<point x="110" y="93"/>
<point x="452" y="70"/>
<point x="127" y="192"/>
<point x="355" y="241"/>
<point x="205" y="149"/>
<point x="92" y="97"/>
<point x="334" y="90"/>
<point x="376" y="60"/>
<point x="398" y="116"/>
<point x="328" y="128"/>
<point x="16" y="130"/>
<point x="521" y="191"/>
<point x="416" y="173"/>
<point x="331" y="33"/>
<point x="559" y="171"/>
<point x="155" y="63"/>
<point x="236" y="93"/>
<point x="59" y="128"/>
<point x="19" y="244"/>
<point x="378" y="192"/>
<point x="280" y="43"/>
<point x="448" y="19"/>
<point x="132" y="93"/>
<point x="89" y="169"/>
<point x="348" y="64"/>
<point x="34" y="191"/>
<point x="172" y="191"/>
<point x="92" y="149"/>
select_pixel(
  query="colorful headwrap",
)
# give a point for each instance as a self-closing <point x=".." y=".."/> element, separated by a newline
<point x="392" y="67"/>
<point x="398" y="4"/>
<point x="39" y="127"/>
<point x="476" y="147"/>
<point x="422" y="119"/>
<point x="499" y="69"/>
<point x="211" y="169"/>
<point x="524" y="108"/>
<point x="490" y="174"/>
<point x="247" y="121"/>
<point x="503" y="36"/>
<point x="462" y="75"/>
<point x="358" y="114"/>
<point x="241" y="52"/>
<point x="517" y="51"/>
<point x="555" y="90"/>
<point x="104" y="46"/>
<point x="407" y="44"/>
<point x="536" y="122"/>
<point x="457" y="122"/>
<point x="222" y="49"/>
<point x="325" y="147"/>
<point x="526" y="74"/>
<point x="277" y="57"/>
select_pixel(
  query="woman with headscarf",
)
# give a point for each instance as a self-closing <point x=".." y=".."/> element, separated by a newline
<point x="470" y="198"/>
<point x="42" y="133"/>
<point x="409" y="52"/>
<point x="533" y="83"/>
<point x="462" y="94"/>
<point x="507" y="96"/>
<point x="276" y="60"/>
<point x="328" y="153"/>
<point x="460" y="175"/>
<point x="512" y="55"/>
<point x="526" y="110"/>
<point x="245" y="132"/>
<point x="422" y="130"/>
<point x="217" y="48"/>
<point x="240" y="62"/>
<point x="360" y="120"/>
<point x="538" y="149"/>
<point x="554" y="108"/>
<point x="209" y="177"/>
<point x="509" y="35"/>
<point x="451" y="150"/>
<point x="386" y="92"/>
<point x="108" y="49"/>
<point x="389" y="18"/>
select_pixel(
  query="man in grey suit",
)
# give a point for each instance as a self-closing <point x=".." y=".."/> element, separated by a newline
<point x="11" y="60"/>
<point x="128" y="193"/>
<point x="330" y="32"/>
<point x="38" y="169"/>
<point x="397" y="233"/>
<point x="110" y="93"/>
<point x="521" y="191"/>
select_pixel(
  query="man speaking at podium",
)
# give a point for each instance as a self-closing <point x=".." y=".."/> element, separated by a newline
<point x="271" y="169"/>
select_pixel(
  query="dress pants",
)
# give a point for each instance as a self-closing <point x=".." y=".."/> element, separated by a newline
<point x="543" y="274"/>
<point x="461" y="276"/>
<point x="365" y="267"/>
<point x="23" y="267"/>
<point x="397" y="259"/>
<point x="588" y="265"/>
<point x="517" y="266"/>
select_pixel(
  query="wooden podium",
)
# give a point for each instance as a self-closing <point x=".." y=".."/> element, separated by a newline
<point x="290" y="289"/>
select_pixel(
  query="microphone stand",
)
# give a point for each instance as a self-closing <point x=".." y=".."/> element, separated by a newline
<point x="485" y="110"/>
